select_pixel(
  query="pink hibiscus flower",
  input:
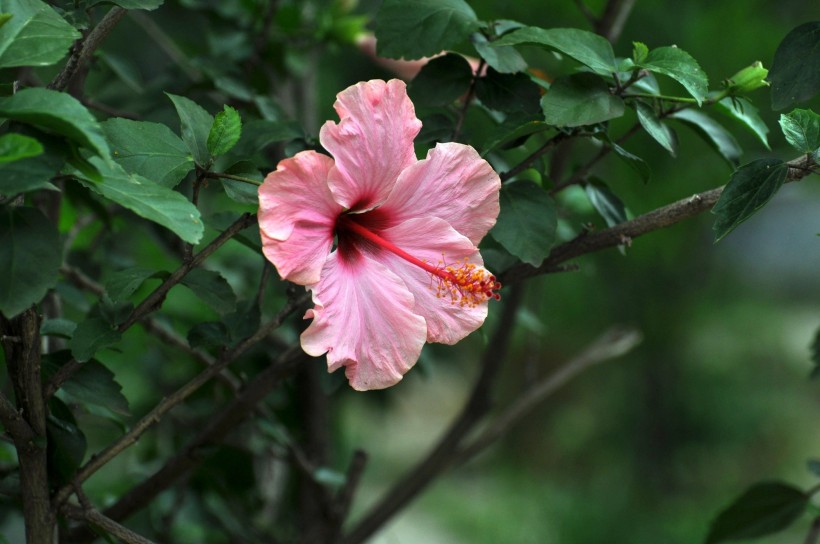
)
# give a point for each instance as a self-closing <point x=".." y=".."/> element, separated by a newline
<point x="405" y="268"/>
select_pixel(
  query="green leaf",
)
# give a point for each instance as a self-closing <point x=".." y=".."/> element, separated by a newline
<point x="509" y="93"/>
<point x="225" y="131"/>
<point x="61" y="328"/>
<point x="503" y="59"/>
<point x="147" y="199"/>
<point x="580" y="99"/>
<point x="195" y="125"/>
<point x="441" y="81"/>
<point x="813" y="465"/>
<point x="715" y="135"/>
<point x="680" y="66"/>
<point x="30" y="256"/>
<point x="412" y="29"/>
<point x="211" y="288"/>
<point x="748" y="79"/>
<point x="147" y="5"/>
<point x="802" y="130"/>
<point x="258" y="134"/>
<point x="35" y="35"/>
<point x="589" y="49"/>
<point x="211" y="334"/>
<point x="29" y="174"/>
<point x="639" y="52"/>
<point x="749" y="189"/>
<point x="151" y="150"/>
<point x="795" y="73"/>
<point x="605" y="202"/>
<point x="66" y="442"/>
<point x="123" y="283"/>
<point x="239" y="191"/>
<point x="527" y="222"/>
<point x="635" y="162"/>
<point x="14" y="147"/>
<point x="56" y="112"/>
<point x="512" y="135"/>
<point x="94" y="384"/>
<point x="90" y="336"/>
<point x="763" y="509"/>
<point x="655" y="127"/>
<point x="746" y="113"/>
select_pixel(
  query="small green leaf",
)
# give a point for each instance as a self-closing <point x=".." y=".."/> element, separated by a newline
<point x="147" y="5"/>
<point x="147" y="199"/>
<point x="239" y="191"/>
<point x="211" y="288"/>
<point x="30" y="256"/>
<point x="605" y="202"/>
<point x="94" y="384"/>
<point x="748" y="79"/>
<point x="90" y="336"/>
<point x="802" y="130"/>
<point x="635" y="162"/>
<point x="746" y="113"/>
<point x="56" y="112"/>
<point x="795" y="73"/>
<point x="61" y="328"/>
<point x="509" y="93"/>
<point x="527" y="222"/>
<point x="512" y="135"/>
<point x="580" y="99"/>
<point x="715" y="135"/>
<point x="33" y="35"/>
<point x="14" y="147"/>
<point x="225" y="131"/>
<point x="589" y="49"/>
<point x="680" y="66"/>
<point x="195" y="126"/>
<point x="763" y="509"/>
<point x="441" y="81"/>
<point x="656" y="128"/>
<point x="151" y="150"/>
<point x="749" y="189"/>
<point x="504" y="59"/>
<point x="123" y="283"/>
<point x="412" y="29"/>
<point x="639" y="52"/>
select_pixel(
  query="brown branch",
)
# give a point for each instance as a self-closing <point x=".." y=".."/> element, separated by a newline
<point x="19" y="429"/>
<point x="94" y="517"/>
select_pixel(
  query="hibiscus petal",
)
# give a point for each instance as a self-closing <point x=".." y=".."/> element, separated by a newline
<point x="453" y="183"/>
<point x="433" y="241"/>
<point x="297" y="215"/>
<point x="364" y="321"/>
<point x="372" y="143"/>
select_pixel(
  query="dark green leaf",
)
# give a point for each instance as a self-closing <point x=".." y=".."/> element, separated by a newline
<point x="510" y="93"/>
<point x="437" y="127"/>
<point x="715" y="135"/>
<point x="746" y="113"/>
<point x="795" y="73"/>
<point x="123" y="283"/>
<point x="225" y="131"/>
<point x="814" y="464"/>
<point x="147" y="199"/>
<point x="93" y="383"/>
<point x="244" y="321"/>
<point x="802" y="130"/>
<point x="580" y="99"/>
<point x="590" y="49"/>
<point x="57" y="112"/>
<point x="211" y="334"/>
<point x="14" y="147"/>
<point x="441" y="81"/>
<point x="35" y="35"/>
<point x="132" y="4"/>
<point x="656" y="128"/>
<point x="680" y="66"/>
<point x="635" y="162"/>
<point x="815" y="354"/>
<point x="66" y="442"/>
<point x="61" y="328"/>
<point x="258" y="134"/>
<point x="211" y="288"/>
<point x="763" y="509"/>
<point x="527" y="222"/>
<point x="29" y="174"/>
<point x="239" y="191"/>
<point x="418" y="28"/>
<point x="749" y="189"/>
<point x="195" y="126"/>
<point x="90" y="336"/>
<point x="509" y="135"/>
<point x="504" y="59"/>
<point x="605" y="203"/>
<point x="29" y="258"/>
<point x="151" y="150"/>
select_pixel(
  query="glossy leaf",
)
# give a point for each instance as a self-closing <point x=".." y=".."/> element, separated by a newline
<point x="509" y="93"/>
<point x="605" y="202"/>
<point x="795" y="72"/>
<point x="225" y="132"/>
<point x="211" y="288"/>
<point x="763" y="509"/>
<point x="588" y="48"/>
<point x="94" y="384"/>
<point x="147" y="199"/>
<point x="123" y="283"/>
<point x="195" y="126"/>
<point x="635" y="162"/>
<point x="656" y="128"/>
<point x="527" y="222"/>
<point x="680" y="66"/>
<point x="503" y="59"/>
<point x="747" y="115"/>
<point x="90" y="336"/>
<point x="240" y="191"/>
<point x="710" y="130"/>
<point x="418" y="28"/>
<point x="580" y="99"/>
<point x="441" y="81"/>
<point x="15" y="147"/>
<point x="30" y="256"/>
<point x="802" y="130"/>
<point x="749" y="189"/>
<point x="29" y="174"/>
<point x="56" y="112"/>
<point x="34" y="35"/>
<point x="151" y="150"/>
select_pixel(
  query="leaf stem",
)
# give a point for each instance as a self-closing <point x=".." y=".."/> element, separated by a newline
<point x="221" y="175"/>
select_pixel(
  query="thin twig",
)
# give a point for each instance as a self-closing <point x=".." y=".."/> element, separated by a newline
<point x="110" y="526"/>
<point x="468" y="98"/>
<point x="532" y="157"/>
